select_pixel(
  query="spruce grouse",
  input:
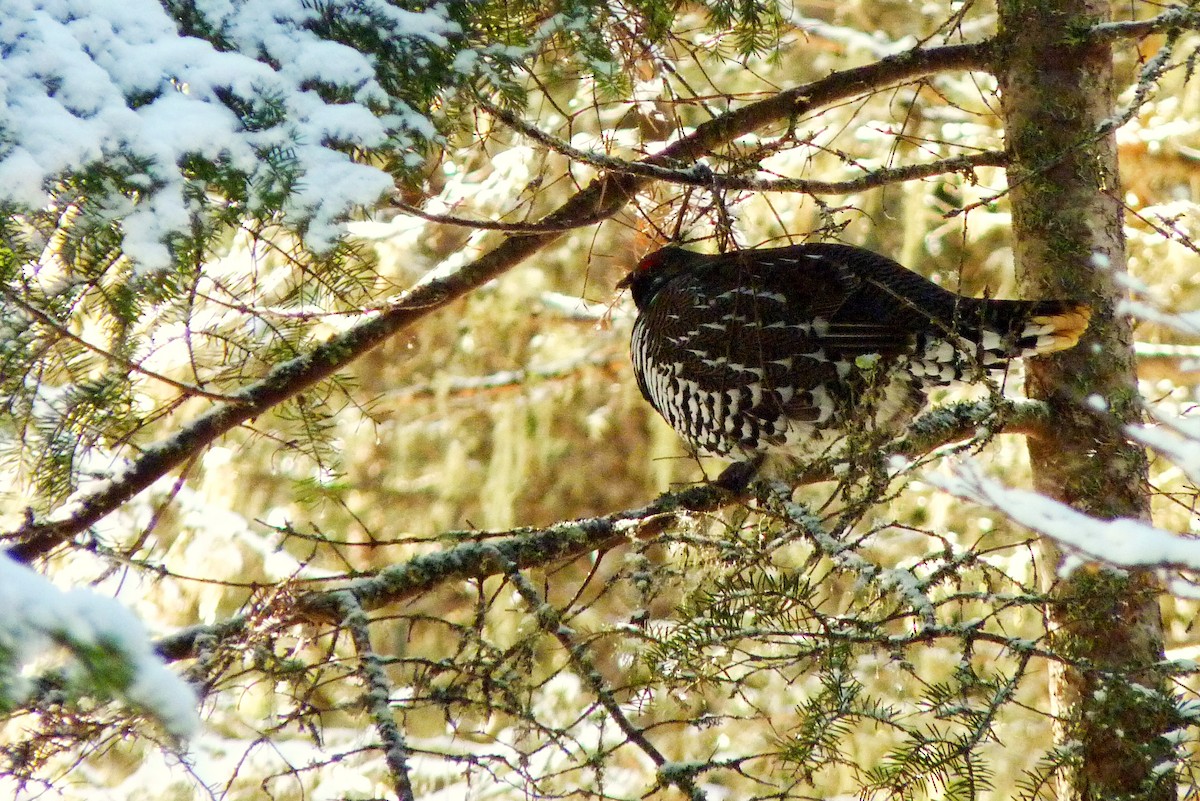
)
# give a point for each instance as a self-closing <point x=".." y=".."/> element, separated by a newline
<point x="786" y="350"/>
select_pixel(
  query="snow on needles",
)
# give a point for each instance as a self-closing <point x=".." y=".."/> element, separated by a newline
<point x="86" y="83"/>
<point x="108" y="641"/>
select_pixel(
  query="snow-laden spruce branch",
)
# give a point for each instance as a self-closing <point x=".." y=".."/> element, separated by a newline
<point x="523" y="548"/>
<point x="118" y="88"/>
<point x="107" y="644"/>
<point x="604" y="196"/>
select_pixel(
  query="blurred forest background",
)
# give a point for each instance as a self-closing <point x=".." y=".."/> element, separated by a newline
<point x="870" y="636"/>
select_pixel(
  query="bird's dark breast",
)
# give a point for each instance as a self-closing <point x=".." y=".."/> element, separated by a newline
<point x="738" y="368"/>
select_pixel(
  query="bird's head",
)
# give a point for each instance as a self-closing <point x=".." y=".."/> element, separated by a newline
<point x="655" y="270"/>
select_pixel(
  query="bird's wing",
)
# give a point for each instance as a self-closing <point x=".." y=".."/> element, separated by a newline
<point x="850" y="292"/>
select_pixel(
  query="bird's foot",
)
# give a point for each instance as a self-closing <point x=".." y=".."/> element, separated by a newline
<point x="736" y="477"/>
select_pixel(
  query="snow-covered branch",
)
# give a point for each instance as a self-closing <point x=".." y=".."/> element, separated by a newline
<point x="1122" y="542"/>
<point x="256" y="90"/>
<point x="110" y="649"/>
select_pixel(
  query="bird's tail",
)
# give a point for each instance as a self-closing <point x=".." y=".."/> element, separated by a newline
<point x="986" y="334"/>
<point x="1049" y="326"/>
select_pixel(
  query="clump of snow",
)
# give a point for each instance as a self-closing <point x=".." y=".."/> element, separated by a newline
<point x="99" y="632"/>
<point x="1184" y="322"/>
<point x="1176" y="438"/>
<point x="1122" y="542"/>
<point x="86" y="83"/>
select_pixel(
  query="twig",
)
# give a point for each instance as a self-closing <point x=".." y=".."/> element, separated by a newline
<point x="469" y="384"/>
<point x="523" y="548"/>
<point x="133" y="367"/>
<point x="703" y="177"/>
<point x="516" y="229"/>
<point x="1170" y="20"/>
<point x="871" y="180"/>
<point x="1180" y="364"/>
<point x="378" y="699"/>
<point x="551" y="621"/>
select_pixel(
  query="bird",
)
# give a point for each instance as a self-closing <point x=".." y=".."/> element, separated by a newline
<point x="788" y="351"/>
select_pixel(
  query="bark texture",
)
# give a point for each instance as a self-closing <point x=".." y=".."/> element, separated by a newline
<point x="1112" y="706"/>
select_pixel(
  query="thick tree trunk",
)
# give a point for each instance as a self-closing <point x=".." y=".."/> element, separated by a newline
<point x="1112" y="706"/>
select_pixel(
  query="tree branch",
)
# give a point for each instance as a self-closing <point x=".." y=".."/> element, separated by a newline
<point x="604" y="196"/>
<point x="551" y="622"/>
<point x="870" y="180"/>
<point x="694" y="176"/>
<point x="378" y="701"/>
<point x="132" y="366"/>
<point x="512" y="228"/>
<point x="523" y="548"/>
<point x="1171" y="20"/>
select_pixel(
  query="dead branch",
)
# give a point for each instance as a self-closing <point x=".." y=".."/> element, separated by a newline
<point x="378" y="696"/>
